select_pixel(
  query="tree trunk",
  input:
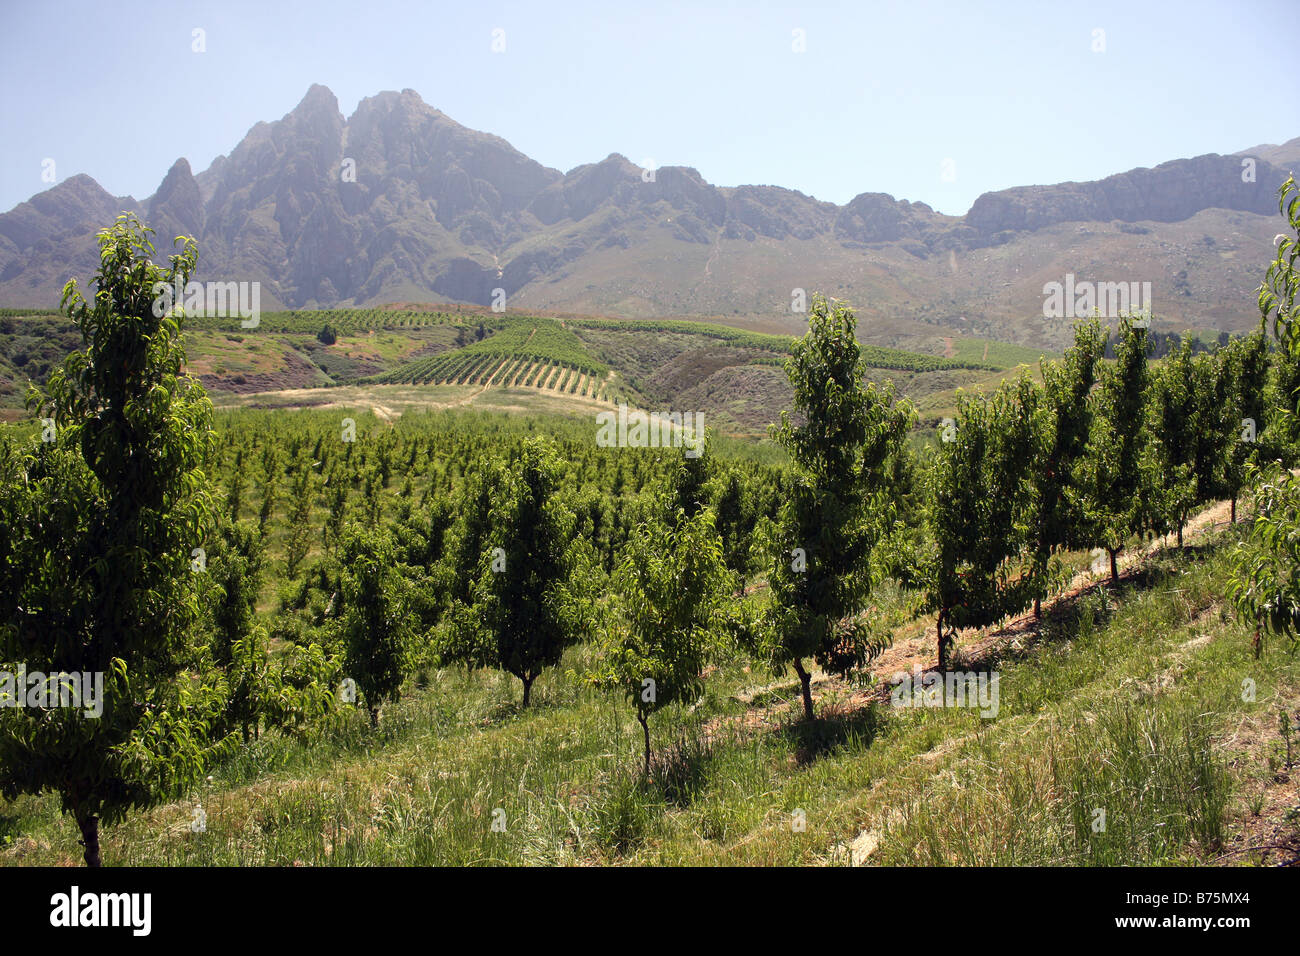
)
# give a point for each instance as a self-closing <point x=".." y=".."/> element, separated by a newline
<point x="942" y="644"/>
<point x="90" y="838"/>
<point x="528" y="688"/>
<point x="1180" y="537"/>
<point x="645" y="728"/>
<point x="1038" y="609"/>
<point x="805" y="680"/>
<point x="1257" y="644"/>
<point x="1114" y="566"/>
<point x="1234" y="509"/>
<point x="374" y="716"/>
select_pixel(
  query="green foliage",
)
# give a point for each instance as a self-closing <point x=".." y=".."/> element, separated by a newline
<point x="1055" y="521"/>
<point x="841" y="505"/>
<point x="1114" y="475"/>
<point x="1266" y="587"/>
<point x="1244" y="374"/>
<point x="99" y="527"/>
<point x="473" y="530"/>
<point x="981" y="489"/>
<point x="1178" y="406"/>
<point x="376" y="623"/>
<point x="687" y="490"/>
<point x="234" y="570"/>
<point x="299" y="523"/>
<point x="530" y="597"/>
<point x="674" y="613"/>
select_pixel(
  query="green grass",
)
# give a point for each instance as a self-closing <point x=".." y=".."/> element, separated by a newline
<point x="1004" y="355"/>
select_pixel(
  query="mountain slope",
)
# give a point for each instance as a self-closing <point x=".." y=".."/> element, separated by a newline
<point x="400" y="203"/>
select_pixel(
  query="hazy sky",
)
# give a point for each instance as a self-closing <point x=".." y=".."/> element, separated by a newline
<point x="1012" y="93"/>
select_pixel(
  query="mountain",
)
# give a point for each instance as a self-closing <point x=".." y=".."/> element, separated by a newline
<point x="398" y="202"/>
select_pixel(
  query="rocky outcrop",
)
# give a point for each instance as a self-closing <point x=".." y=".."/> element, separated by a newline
<point x="176" y="209"/>
<point x="1171" y="192"/>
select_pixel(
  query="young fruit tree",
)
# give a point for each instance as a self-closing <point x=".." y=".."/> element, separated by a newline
<point x="531" y="600"/>
<point x="1281" y="315"/>
<point x="1266" y="587"/>
<point x="1243" y="372"/>
<point x="981" y="493"/>
<point x="1115" y="481"/>
<point x="1176" y="403"/>
<point x="104" y="529"/>
<point x="1054" y="520"/>
<point x="674" y="614"/>
<point x="287" y="693"/>
<point x="469" y="538"/>
<point x="376" y="621"/>
<point x="840" y="513"/>
<point x="238" y="643"/>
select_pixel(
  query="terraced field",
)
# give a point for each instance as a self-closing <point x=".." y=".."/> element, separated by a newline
<point x="528" y="353"/>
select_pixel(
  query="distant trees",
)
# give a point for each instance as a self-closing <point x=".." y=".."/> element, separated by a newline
<point x="103" y="531"/>
<point x="287" y="693"/>
<point x="270" y="486"/>
<point x="471" y="533"/>
<point x="841" y="505"/>
<point x="735" y="522"/>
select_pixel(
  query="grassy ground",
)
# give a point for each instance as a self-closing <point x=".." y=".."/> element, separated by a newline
<point x="987" y="351"/>
<point x="1127" y="702"/>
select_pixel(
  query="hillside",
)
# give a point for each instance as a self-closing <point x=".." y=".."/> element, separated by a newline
<point x="445" y="357"/>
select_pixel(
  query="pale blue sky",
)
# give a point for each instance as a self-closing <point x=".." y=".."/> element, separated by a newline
<point x="1011" y="92"/>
